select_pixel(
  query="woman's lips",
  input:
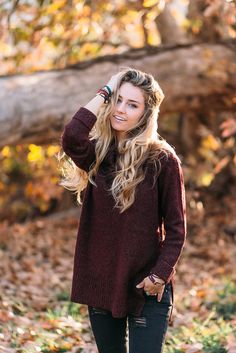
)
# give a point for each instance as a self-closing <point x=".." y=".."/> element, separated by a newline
<point x="118" y="118"/>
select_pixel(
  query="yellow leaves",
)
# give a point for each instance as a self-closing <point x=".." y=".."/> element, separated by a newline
<point x="6" y="152"/>
<point x="52" y="150"/>
<point x="97" y="28"/>
<point x="6" y="49"/>
<point x="86" y="11"/>
<point x="29" y="180"/>
<point x="151" y="15"/>
<point x="81" y="28"/>
<point x="210" y="142"/>
<point x="206" y="179"/>
<point x="56" y="5"/>
<point x="54" y="180"/>
<point x="130" y="16"/>
<point x="58" y="29"/>
<point x="79" y="8"/>
<point x="36" y="154"/>
<point x="150" y="3"/>
<point x="196" y="25"/>
<point x="58" y="25"/>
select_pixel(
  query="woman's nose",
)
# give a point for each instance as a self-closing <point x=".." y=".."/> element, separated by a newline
<point x="121" y="107"/>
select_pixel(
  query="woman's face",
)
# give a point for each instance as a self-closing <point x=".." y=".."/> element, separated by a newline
<point x="129" y="109"/>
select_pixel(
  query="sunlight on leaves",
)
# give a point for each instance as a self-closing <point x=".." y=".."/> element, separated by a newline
<point x="206" y="179"/>
<point x="210" y="142"/>
<point x="150" y="3"/>
<point x="36" y="154"/>
<point x="6" y="152"/>
<point x="56" y="5"/>
<point x="52" y="150"/>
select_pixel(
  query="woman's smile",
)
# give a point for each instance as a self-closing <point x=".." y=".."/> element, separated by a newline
<point x="118" y="118"/>
<point x="129" y="109"/>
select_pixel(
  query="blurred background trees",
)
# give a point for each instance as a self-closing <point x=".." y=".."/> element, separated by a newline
<point x="53" y="55"/>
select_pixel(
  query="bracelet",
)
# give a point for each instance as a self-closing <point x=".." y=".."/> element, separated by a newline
<point x="109" y="90"/>
<point x="101" y="90"/>
<point x="152" y="278"/>
<point x="105" y="93"/>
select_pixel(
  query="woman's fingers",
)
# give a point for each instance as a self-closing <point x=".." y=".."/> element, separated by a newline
<point x="160" y="294"/>
<point x="114" y="80"/>
<point x="153" y="289"/>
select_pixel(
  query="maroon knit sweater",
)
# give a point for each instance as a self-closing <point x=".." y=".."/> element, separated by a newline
<point x="114" y="252"/>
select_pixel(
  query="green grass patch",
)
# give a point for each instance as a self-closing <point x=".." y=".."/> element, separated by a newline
<point x="209" y="334"/>
<point x="63" y="310"/>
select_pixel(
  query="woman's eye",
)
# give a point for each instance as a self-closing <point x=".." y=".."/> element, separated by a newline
<point x="130" y="104"/>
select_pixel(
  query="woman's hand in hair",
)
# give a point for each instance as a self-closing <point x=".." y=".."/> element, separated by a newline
<point x="112" y="83"/>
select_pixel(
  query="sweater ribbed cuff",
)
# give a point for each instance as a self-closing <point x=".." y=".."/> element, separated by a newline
<point x="86" y="117"/>
<point x="163" y="270"/>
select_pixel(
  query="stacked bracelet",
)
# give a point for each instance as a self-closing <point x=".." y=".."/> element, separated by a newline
<point x="106" y="93"/>
<point x="153" y="279"/>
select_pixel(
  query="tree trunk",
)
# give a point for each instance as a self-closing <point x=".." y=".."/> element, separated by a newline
<point x="195" y="77"/>
<point x="170" y="31"/>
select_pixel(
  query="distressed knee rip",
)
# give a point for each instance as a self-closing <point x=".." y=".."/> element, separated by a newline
<point x="139" y="321"/>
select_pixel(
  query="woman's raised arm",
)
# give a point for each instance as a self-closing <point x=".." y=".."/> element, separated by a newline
<point x="75" y="137"/>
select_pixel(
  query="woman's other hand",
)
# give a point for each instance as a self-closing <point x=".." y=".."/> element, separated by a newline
<point x="151" y="288"/>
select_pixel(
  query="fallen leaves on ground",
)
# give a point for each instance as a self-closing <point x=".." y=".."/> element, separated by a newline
<point x="36" y="270"/>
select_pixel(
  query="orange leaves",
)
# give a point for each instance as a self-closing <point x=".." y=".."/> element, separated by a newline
<point x="29" y="180"/>
<point x="231" y="344"/>
<point x="37" y="316"/>
<point x="150" y="3"/>
<point x="5" y="315"/>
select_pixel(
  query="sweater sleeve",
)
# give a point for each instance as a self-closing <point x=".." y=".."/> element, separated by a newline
<point x="173" y="209"/>
<point x="75" y="139"/>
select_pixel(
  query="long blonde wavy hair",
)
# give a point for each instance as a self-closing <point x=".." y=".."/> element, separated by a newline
<point x="141" y="143"/>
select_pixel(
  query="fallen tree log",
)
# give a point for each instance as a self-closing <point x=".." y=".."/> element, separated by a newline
<point x="196" y="77"/>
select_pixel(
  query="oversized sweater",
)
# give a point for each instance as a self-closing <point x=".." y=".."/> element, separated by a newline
<point x="114" y="252"/>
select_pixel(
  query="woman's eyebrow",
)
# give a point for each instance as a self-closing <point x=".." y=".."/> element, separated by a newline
<point x="130" y="100"/>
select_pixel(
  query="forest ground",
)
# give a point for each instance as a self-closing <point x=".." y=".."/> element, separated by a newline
<point x="36" y="269"/>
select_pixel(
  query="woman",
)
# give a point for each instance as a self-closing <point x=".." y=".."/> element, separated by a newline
<point x="132" y="225"/>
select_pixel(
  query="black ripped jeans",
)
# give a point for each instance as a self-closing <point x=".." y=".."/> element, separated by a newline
<point x="146" y="333"/>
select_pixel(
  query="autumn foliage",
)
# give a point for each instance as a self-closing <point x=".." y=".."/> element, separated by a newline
<point x="39" y="219"/>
